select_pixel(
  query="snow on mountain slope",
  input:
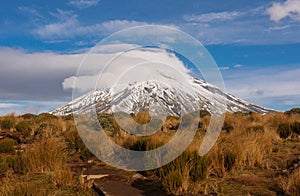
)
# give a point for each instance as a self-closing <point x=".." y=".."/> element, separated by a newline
<point x="159" y="99"/>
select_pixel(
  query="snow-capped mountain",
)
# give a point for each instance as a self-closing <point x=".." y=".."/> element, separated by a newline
<point x="159" y="99"/>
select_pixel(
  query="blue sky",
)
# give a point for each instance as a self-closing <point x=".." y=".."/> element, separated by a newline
<point x="256" y="44"/>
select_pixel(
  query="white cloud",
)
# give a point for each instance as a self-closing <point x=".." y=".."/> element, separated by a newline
<point x="33" y="107"/>
<point x="251" y="27"/>
<point x="212" y="16"/>
<point x="69" y="27"/>
<point x="40" y="76"/>
<point x="82" y="4"/>
<point x="268" y="86"/>
<point x="279" y="11"/>
<point x="8" y="105"/>
<point x="238" y="65"/>
<point x="223" y="68"/>
<point x="138" y="64"/>
<point x="29" y="11"/>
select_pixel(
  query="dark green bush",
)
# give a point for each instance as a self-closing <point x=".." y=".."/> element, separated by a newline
<point x="7" y="123"/>
<point x="24" y="127"/>
<point x="28" y="116"/>
<point x="106" y="122"/>
<point x="284" y="130"/>
<point x="7" y="146"/>
<point x="17" y="163"/>
<point x="293" y="111"/>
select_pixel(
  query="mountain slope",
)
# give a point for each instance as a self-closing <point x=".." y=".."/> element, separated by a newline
<point x="160" y="99"/>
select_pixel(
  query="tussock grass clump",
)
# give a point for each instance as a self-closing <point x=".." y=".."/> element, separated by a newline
<point x="7" y="146"/>
<point x="290" y="185"/>
<point x="47" y="155"/>
<point x="24" y="127"/>
<point x="3" y="165"/>
<point x="8" y="122"/>
<point x="284" y="130"/>
<point x="180" y="176"/>
<point x="17" y="164"/>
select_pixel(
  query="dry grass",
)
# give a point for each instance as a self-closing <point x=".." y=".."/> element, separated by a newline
<point x="290" y="185"/>
<point x="45" y="156"/>
<point x="49" y="156"/>
<point x="247" y="141"/>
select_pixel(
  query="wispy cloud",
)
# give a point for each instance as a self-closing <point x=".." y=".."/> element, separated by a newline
<point x="212" y="16"/>
<point x="29" y="11"/>
<point x="268" y="86"/>
<point x="33" y="14"/>
<point x="290" y="9"/>
<point x="238" y="65"/>
<point x="68" y="26"/>
<point x="223" y="68"/>
<point x="33" y="107"/>
<point x="8" y="105"/>
<point x="82" y="4"/>
<point x="251" y="26"/>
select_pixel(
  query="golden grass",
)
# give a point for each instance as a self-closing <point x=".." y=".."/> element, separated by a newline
<point x="248" y="142"/>
<point x="47" y="155"/>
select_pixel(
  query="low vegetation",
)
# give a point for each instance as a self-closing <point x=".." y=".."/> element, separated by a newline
<point x="254" y="155"/>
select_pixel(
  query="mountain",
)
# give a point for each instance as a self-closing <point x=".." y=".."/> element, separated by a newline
<point x="159" y="99"/>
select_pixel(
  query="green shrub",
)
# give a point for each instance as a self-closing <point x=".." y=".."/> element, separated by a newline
<point x="7" y="123"/>
<point x="106" y="122"/>
<point x="7" y="146"/>
<point x="24" y="128"/>
<point x="17" y="163"/>
<point x="28" y="116"/>
<point x="293" y="111"/>
<point x="284" y="130"/>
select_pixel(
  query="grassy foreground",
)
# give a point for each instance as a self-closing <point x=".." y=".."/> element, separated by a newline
<point x="254" y="155"/>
